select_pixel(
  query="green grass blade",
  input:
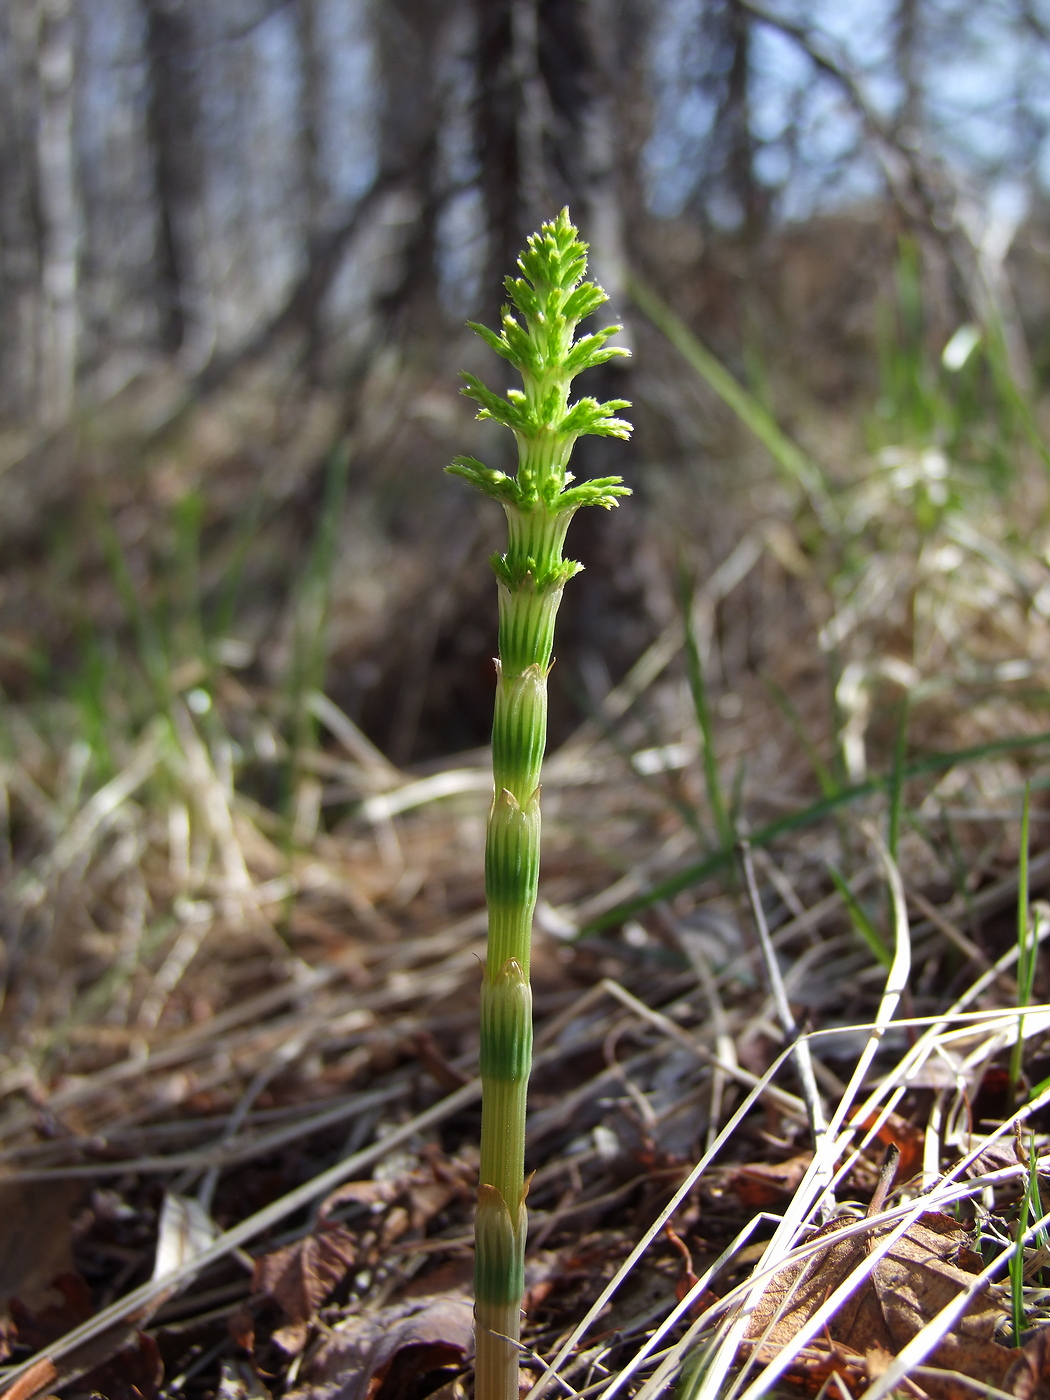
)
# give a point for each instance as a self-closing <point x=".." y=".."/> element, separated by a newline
<point x="809" y="816"/>
<point x="1029" y="1204"/>
<point x="309" y="652"/>
<point x="1013" y="397"/>
<point x="826" y="780"/>
<point x="151" y="648"/>
<point x="897" y="780"/>
<point x="702" y="709"/>
<point x="1027" y="944"/>
<point x="794" y="463"/>
<point x="187" y="519"/>
<point x="859" y="917"/>
<point x="229" y="591"/>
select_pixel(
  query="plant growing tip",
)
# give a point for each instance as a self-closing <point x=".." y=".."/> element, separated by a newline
<point x="537" y="336"/>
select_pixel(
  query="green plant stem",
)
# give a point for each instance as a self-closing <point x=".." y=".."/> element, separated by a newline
<point x="551" y="297"/>
<point x="698" y="687"/>
<point x="1017" y="1259"/>
<point x="512" y="863"/>
<point x="1027" y="946"/>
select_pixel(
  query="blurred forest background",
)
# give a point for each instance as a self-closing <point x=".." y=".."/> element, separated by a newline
<point x="239" y="243"/>
<point x="247" y="623"/>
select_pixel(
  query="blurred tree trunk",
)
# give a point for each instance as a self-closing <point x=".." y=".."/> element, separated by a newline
<point x="498" y="119"/>
<point x="551" y="78"/>
<point x="907" y="59"/>
<point x="741" y="179"/>
<point x="19" y="220"/>
<point x="581" y="135"/>
<point x="728" y="191"/>
<point x="172" y="128"/>
<point x="556" y="96"/>
<point x="58" y="212"/>
<point x="410" y="46"/>
<point x="313" y="178"/>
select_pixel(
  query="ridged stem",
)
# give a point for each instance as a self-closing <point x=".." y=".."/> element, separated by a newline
<point x="530" y="588"/>
<point x="537" y="335"/>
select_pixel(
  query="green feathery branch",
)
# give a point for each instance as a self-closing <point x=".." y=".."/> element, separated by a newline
<point x="537" y="336"/>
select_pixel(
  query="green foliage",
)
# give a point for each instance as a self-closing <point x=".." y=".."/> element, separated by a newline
<point x="538" y="337"/>
<point x="860" y="918"/>
<point x="1027" y="944"/>
<point x="960" y="399"/>
<point x="809" y="816"/>
<point x="314" y="596"/>
<point x="793" y="463"/>
<point x="723" y="823"/>
<point x="1029" y="1207"/>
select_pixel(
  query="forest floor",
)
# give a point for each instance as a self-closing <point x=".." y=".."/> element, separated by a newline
<point x="786" y="1122"/>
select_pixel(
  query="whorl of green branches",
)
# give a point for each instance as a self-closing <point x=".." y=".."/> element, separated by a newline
<point x="551" y="299"/>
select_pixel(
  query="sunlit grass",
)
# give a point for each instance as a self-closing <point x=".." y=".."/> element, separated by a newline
<point x="165" y="796"/>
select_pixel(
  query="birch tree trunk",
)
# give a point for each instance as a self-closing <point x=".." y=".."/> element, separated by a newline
<point x="314" y="189"/>
<point x="19" y="253"/>
<point x="57" y="196"/>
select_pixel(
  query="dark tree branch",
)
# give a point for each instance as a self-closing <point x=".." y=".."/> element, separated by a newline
<point x="923" y="192"/>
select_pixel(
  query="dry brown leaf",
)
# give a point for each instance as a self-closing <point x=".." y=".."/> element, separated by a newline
<point x="292" y="1338"/>
<point x="455" y="1276"/>
<point x="241" y="1326"/>
<point x="824" y="1362"/>
<point x="36" y="1239"/>
<point x="300" y="1277"/>
<point x="926" y="1269"/>
<point x="379" y="1357"/>
<point x="762" y="1184"/>
<point x="895" y="1131"/>
<point x="38" y="1327"/>
<point x="877" y="1360"/>
<point x="121" y="1363"/>
<point x="412" y="1199"/>
<point x="421" y="1192"/>
<point x="364" y="1193"/>
<point x="133" y="1373"/>
<point x="427" y="1199"/>
<point x="1029" y="1376"/>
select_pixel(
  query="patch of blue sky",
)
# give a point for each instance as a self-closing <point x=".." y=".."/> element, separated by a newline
<point x="272" y="116"/>
<point x="113" y="167"/>
<point x="669" y="169"/>
<point x="861" y="30"/>
<point x="781" y="72"/>
<point x="349" y="143"/>
<point x="972" y="107"/>
<point x="807" y="132"/>
<point x="109" y="112"/>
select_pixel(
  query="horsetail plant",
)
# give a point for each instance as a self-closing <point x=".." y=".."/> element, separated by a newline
<point x="538" y="336"/>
